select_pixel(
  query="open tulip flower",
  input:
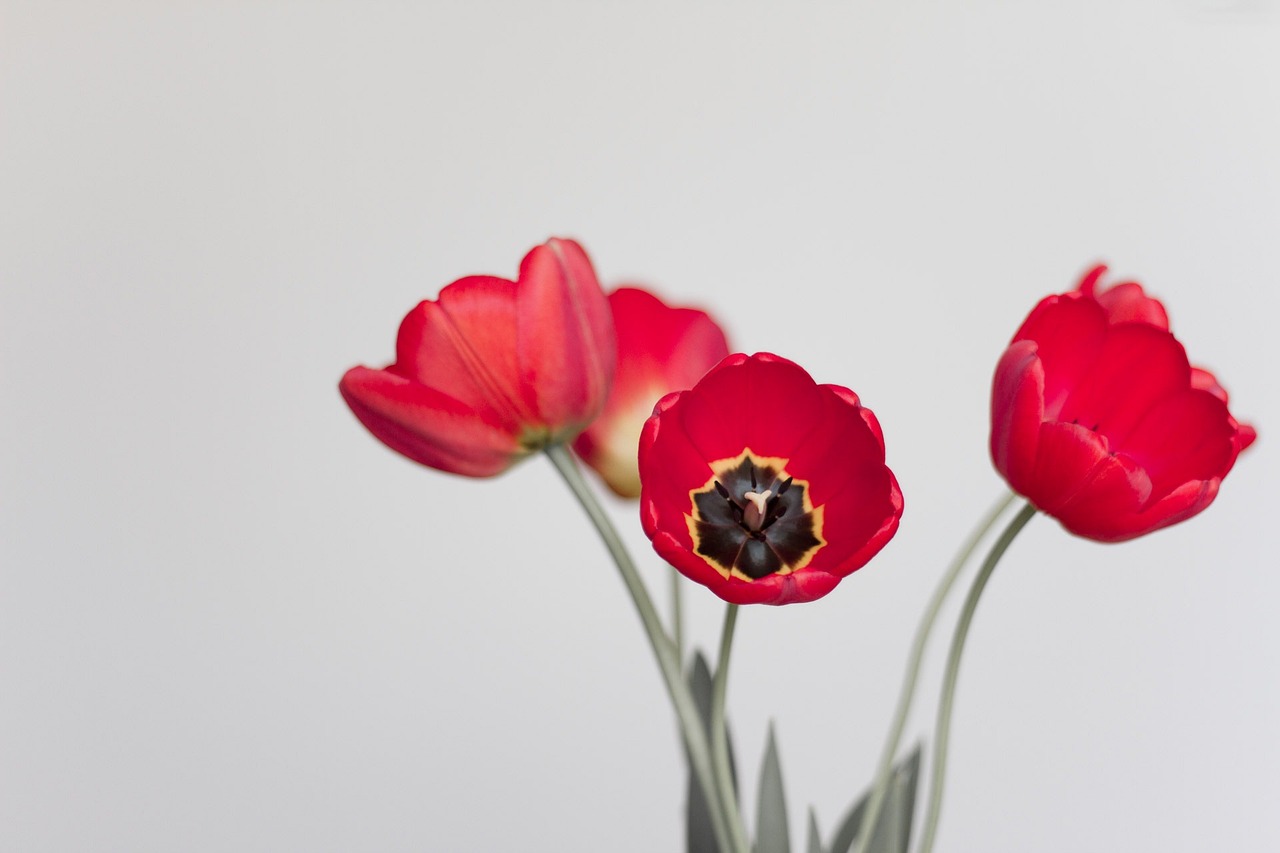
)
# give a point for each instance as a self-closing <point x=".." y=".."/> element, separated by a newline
<point x="763" y="485"/>
<point x="1099" y="420"/>
<point x="494" y="369"/>
<point x="660" y="349"/>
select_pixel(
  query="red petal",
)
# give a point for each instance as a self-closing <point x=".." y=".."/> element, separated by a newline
<point x="428" y="426"/>
<point x="1066" y="458"/>
<point x="1186" y="436"/>
<point x="762" y="402"/>
<point x="660" y="349"/>
<point x="1107" y="525"/>
<point x="1137" y="367"/>
<point x="1069" y="331"/>
<point x="1125" y="302"/>
<point x="670" y="467"/>
<point x="1117" y="489"/>
<point x="854" y="534"/>
<point x="565" y="342"/>
<point x="463" y="345"/>
<point x="1205" y="381"/>
<point x="697" y="569"/>
<point x="842" y="453"/>
<point x="1017" y="409"/>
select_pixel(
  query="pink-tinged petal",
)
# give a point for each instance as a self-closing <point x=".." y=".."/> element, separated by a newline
<point x="762" y="402"/>
<point x="1017" y="410"/>
<point x="565" y="343"/>
<point x="1066" y="458"/>
<point x="428" y="426"/>
<point x="1069" y="332"/>
<point x="1186" y="436"/>
<point x="463" y="345"/>
<point x="660" y="349"/>
<point x="1137" y="367"/>
<point x="1125" y="302"/>
<point x="1245" y="436"/>
<point x="1203" y="380"/>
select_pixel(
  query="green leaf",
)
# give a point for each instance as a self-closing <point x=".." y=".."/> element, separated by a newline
<point x="847" y="833"/>
<point x="893" y="834"/>
<point x="772" y="833"/>
<point x="893" y="829"/>
<point x="815" y="837"/>
<point x="699" y="835"/>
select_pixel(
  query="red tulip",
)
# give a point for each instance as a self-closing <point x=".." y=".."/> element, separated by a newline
<point x="660" y="349"/>
<point x="1099" y="420"/>
<point x="763" y="485"/>
<point x="493" y="369"/>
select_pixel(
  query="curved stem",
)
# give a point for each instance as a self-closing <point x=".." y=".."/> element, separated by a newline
<point x="912" y="675"/>
<point x="677" y="616"/>
<point x="942" y="732"/>
<point x="720" y="736"/>
<point x="691" y="727"/>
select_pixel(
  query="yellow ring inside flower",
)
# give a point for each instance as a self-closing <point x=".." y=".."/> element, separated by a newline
<point x="751" y="519"/>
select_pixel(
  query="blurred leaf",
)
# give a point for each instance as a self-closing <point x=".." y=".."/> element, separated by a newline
<point x="699" y="835"/>
<point x="815" y="837"/>
<point x="893" y="829"/>
<point x="772" y="833"/>
<point x="847" y="833"/>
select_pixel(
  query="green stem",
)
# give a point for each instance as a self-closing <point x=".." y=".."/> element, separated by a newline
<point x="664" y="651"/>
<point x="677" y="615"/>
<point x="720" y="736"/>
<point x="942" y="732"/>
<point x="912" y="675"/>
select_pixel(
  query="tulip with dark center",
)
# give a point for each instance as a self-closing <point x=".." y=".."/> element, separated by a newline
<point x="763" y="485"/>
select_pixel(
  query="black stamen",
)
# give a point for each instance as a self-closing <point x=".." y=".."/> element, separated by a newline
<point x="786" y="484"/>
<point x="753" y="476"/>
<point x="724" y="493"/>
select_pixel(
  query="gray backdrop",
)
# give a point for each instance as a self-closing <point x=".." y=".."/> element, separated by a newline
<point x="230" y="620"/>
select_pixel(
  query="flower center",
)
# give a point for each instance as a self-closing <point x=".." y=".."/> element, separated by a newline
<point x="753" y="520"/>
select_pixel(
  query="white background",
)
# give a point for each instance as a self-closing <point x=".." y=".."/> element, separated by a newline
<point x="230" y="620"/>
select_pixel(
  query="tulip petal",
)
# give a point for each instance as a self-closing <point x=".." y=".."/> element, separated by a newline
<point x="1110" y="524"/>
<point x="1017" y="409"/>
<point x="1066" y="458"/>
<point x="462" y="345"/>
<point x="1138" y="366"/>
<point x="1125" y="302"/>
<point x="761" y="402"/>
<point x="1114" y="493"/>
<point x="1069" y="332"/>
<point x="565" y="345"/>
<point x="660" y="349"/>
<point x="673" y="468"/>
<point x="1186" y="436"/>
<point x="857" y="528"/>
<point x="840" y="454"/>
<point x="429" y="426"/>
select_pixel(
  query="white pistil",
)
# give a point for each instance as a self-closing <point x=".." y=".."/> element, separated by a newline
<point x="753" y="512"/>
